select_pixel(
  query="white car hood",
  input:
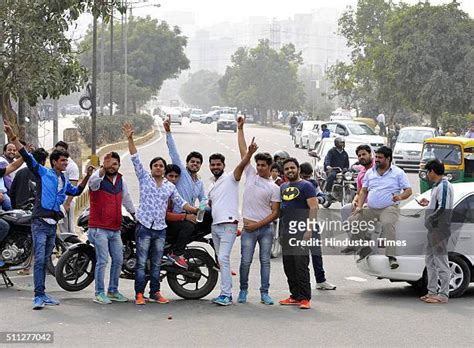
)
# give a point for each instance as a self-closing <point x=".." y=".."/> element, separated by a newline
<point x="408" y="146"/>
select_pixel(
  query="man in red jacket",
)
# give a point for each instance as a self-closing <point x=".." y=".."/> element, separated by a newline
<point x="108" y="192"/>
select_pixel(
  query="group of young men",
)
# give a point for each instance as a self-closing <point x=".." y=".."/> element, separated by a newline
<point x="167" y="205"/>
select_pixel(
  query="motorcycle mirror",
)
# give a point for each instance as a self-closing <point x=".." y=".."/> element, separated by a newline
<point x="313" y="154"/>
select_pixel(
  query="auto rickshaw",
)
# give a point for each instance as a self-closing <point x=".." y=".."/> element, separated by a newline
<point x="456" y="153"/>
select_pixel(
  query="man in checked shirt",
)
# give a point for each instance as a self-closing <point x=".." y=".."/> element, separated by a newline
<point x="155" y="191"/>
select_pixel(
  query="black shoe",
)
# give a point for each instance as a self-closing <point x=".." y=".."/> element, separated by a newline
<point x="364" y="252"/>
<point x="348" y="250"/>
<point x="393" y="262"/>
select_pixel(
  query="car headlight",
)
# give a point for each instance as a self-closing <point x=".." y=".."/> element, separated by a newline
<point x="347" y="176"/>
<point x="398" y="152"/>
<point x="423" y="175"/>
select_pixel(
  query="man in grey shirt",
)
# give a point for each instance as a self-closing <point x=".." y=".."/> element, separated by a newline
<point x="438" y="222"/>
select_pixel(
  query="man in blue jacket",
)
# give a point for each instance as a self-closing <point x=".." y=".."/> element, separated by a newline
<point x="51" y="190"/>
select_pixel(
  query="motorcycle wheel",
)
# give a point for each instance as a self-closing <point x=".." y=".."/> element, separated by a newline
<point x="59" y="249"/>
<point x="193" y="288"/>
<point x="75" y="270"/>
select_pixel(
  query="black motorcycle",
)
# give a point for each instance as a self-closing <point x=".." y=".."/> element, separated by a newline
<point x="344" y="187"/>
<point x="16" y="250"/>
<point x="75" y="268"/>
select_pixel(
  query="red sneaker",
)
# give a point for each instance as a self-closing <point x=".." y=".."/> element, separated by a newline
<point x="139" y="299"/>
<point x="158" y="298"/>
<point x="305" y="304"/>
<point x="289" y="301"/>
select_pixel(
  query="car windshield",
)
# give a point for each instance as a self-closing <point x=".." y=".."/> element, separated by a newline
<point x="360" y="129"/>
<point x="447" y="153"/>
<point x="414" y="136"/>
<point x="227" y="117"/>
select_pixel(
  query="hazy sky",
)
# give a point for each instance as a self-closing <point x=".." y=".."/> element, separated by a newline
<point x="208" y="12"/>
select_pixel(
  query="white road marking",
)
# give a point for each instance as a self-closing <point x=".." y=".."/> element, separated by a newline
<point x="356" y="279"/>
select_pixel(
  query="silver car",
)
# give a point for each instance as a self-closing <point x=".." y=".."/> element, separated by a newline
<point x="411" y="230"/>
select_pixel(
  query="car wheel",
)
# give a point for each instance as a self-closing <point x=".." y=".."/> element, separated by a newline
<point x="208" y="120"/>
<point x="460" y="276"/>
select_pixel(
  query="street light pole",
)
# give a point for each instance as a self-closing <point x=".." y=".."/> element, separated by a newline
<point x="102" y="87"/>
<point x="94" y="158"/>
<point x="111" y="61"/>
<point x="125" y="29"/>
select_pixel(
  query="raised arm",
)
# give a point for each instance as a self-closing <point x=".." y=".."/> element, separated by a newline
<point x="241" y="137"/>
<point x="77" y="190"/>
<point x="128" y="131"/>
<point x="245" y="160"/>
<point x="173" y="150"/>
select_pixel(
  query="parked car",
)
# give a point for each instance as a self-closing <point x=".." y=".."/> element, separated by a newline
<point x="314" y="135"/>
<point x="249" y="118"/>
<point x="410" y="256"/>
<point x="407" y="151"/>
<point x="228" y="122"/>
<point x="301" y="133"/>
<point x="357" y="131"/>
<point x="195" y="115"/>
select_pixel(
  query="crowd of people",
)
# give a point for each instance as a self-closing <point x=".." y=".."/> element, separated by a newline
<point x="172" y="196"/>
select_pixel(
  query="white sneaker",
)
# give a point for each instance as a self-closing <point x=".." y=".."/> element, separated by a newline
<point x="325" y="286"/>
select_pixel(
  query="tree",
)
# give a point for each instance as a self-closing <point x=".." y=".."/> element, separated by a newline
<point x="430" y="55"/>
<point x="201" y="89"/>
<point x="155" y="52"/>
<point x="407" y="57"/>
<point x="137" y="95"/>
<point x="263" y="78"/>
<point x="36" y="58"/>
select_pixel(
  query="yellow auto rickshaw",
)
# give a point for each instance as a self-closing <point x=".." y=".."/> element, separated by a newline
<point x="368" y="121"/>
<point x="456" y="153"/>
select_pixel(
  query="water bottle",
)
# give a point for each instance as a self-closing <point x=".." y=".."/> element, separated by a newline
<point x="202" y="210"/>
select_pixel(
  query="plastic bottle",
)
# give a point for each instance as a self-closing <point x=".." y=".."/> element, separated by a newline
<point x="202" y="210"/>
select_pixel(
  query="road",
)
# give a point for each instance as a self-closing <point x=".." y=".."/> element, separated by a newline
<point x="363" y="311"/>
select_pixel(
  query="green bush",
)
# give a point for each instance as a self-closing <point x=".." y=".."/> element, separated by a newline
<point x="109" y="128"/>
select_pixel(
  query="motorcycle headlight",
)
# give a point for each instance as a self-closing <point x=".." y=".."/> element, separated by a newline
<point x="347" y="176"/>
<point x="423" y="175"/>
<point x="449" y="177"/>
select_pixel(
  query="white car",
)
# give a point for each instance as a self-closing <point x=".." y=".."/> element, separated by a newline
<point x="301" y="133"/>
<point x="195" y="115"/>
<point x="407" y="151"/>
<point x="176" y="117"/>
<point x="411" y="231"/>
<point x="323" y="147"/>
<point x="357" y="131"/>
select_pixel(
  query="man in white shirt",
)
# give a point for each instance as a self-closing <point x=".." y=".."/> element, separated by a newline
<point x="224" y="202"/>
<point x="72" y="174"/>
<point x="381" y="122"/>
<point x="260" y="208"/>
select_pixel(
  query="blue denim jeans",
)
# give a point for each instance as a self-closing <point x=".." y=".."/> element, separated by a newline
<point x="223" y="236"/>
<point x="264" y="237"/>
<point x="107" y="242"/>
<point x="44" y="236"/>
<point x="153" y="242"/>
<point x="7" y="203"/>
<point x="4" y="229"/>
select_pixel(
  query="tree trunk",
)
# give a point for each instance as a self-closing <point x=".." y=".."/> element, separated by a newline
<point x="434" y="120"/>
<point x="271" y="118"/>
<point x="32" y="126"/>
<point x="7" y="111"/>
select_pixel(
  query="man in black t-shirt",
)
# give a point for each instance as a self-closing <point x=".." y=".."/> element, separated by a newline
<point x="298" y="206"/>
